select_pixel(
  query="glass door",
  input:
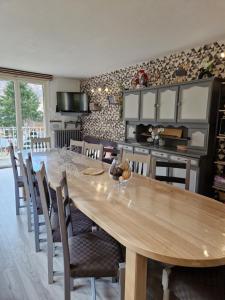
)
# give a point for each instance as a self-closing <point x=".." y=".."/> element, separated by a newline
<point x="21" y="114"/>
<point x="8" y="120"/>
<point x="32" y="112"/>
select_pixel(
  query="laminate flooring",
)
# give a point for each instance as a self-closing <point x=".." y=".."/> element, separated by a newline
<point x="23" y="272"/>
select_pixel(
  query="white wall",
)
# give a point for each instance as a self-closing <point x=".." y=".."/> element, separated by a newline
<point x="61" y="84"/>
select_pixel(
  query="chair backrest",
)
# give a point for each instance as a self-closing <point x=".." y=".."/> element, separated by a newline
<point x="170" y="168"/>
<point x="93" y="150"/>
<point x="64" y="218"/>
<point x="23" y="171"/>
<point x="13" y="162"/>
<point x="139" y="163"/>
<point x="40" y="144"/>
<point x="46" y="200"/>
<point x="32" y="183"/>
<point x="77" y="146"/>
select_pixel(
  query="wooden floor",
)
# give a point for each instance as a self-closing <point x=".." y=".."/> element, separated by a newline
<point x="23" y="272"/>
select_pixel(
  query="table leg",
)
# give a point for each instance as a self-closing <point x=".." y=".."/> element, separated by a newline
<point x="136" y="276"/>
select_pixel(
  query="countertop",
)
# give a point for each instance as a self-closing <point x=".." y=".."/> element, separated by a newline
<point x="171" y="150"/>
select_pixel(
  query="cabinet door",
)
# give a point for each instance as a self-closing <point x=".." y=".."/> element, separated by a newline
<point x="148" y="105"/>
<point x="167" y="104"/>
<point x="131" y="106"/>
<point x="194" y="102"/>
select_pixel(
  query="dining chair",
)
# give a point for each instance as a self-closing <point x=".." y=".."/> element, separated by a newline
<point x="171" y="168"/>
<point x="93" y="150"/>
<point x="183" y="283"/>
<point x="23" y="170"/>
<point x="40" y="144"/>
<point x="83" y="223"/>
<point x="139" y="163"/>
<point x="36" y="203"/>
<point x="51" y="218"/>
<point x="86" y="255"/>
<point x="18" y="180"/>
<point x="77" y="146"/>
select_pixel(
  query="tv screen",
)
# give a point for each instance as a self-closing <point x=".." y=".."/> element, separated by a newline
<point x="72" y="102"/>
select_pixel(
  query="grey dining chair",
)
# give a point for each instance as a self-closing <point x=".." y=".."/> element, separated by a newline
<point x="40" y="144"/>
<point x="36" y="203"/>
<point x="94" y="151"/>
<point x="140" y="163"/>
<point x="18" y="180"/>
<point x="51" y="218"/>
<point x="171" y="167"/>
<point x="50" y="211"/>
<point x="77" y="146"/>
<point x="86" y="255"/>
<point x="24" y="175"/>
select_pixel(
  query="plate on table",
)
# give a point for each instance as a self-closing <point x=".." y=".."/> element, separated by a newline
<point x="93" y="171"/>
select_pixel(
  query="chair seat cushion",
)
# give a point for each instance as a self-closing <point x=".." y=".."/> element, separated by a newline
<point x="92" y="256"/>
<point x="197" y="283"/>
<point x="80" y="222"/>
<point x="55" y="227"/>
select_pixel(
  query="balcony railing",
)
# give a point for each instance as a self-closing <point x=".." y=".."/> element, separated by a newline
<point x="9" y="134"/>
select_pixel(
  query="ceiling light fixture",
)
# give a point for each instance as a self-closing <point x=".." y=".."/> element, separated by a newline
<point x="222" y="54"/>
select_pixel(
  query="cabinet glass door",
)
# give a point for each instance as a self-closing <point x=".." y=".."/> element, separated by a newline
<point x="194" y="102"/>
<point x="167" y="104"/>
<point x="148" y="105"/>
<point x="131" y="106"/>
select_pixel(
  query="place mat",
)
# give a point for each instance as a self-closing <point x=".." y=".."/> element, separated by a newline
<point x="93" y="171"/>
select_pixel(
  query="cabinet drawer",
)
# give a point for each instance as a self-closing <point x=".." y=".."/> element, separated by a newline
<point x="159" y="154"/>
<point x="125" y="147"/>
<point x="194" y="162"/>
<point x="141" y="150"/>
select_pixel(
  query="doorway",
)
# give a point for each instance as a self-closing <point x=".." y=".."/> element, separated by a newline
<point x="22" y="115"/>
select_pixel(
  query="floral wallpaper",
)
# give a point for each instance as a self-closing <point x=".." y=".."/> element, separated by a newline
<point x="106" y="122"/>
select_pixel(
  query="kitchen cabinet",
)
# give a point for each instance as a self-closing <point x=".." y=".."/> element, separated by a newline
<point x="148" y="105"/>
<point x="194" y="102"/>
<point x="131" y="106"/>
<point x="167" y="104"/>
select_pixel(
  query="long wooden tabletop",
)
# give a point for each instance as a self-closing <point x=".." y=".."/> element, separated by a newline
<point x="153" y="219"/>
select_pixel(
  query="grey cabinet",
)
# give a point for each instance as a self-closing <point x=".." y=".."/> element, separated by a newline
<point x="167" y="104"/>
<point x="148" y="105"/>
<point x="131" y="106"/>
<point x="194" y="102"/>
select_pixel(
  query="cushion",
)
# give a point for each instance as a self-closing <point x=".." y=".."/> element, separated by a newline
<point x="197" y="283"/>
<point x="92" y="256"/>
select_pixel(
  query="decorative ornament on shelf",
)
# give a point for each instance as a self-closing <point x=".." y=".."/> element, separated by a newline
<point x="180" y="73"/>
<point x="94" y="106"/>
<point x="206" y="68"/>
<point x="140" y="80"/>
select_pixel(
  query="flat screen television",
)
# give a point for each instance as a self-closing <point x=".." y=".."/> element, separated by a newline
<point x="72" y="102"/>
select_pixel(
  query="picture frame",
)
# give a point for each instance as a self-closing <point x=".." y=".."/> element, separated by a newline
<point x="113" y="100"/>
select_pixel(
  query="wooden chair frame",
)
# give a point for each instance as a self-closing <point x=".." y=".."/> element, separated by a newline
<point x="44" y="141"/>
<point x="93" y="150"/>
<point x="32" y="182"/>
<point x="64" y="220"/>
<point x="23" y="170"/>
<point x="79" y="144"/>
<point x="41" y="177"/>
<point x="16" y="179"/>
<point x="136" y="160"/>
<point x="172" y="165"/>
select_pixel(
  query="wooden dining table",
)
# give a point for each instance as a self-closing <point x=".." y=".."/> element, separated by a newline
<point x="151" y="219"/>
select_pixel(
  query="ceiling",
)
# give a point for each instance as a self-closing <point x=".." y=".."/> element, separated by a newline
<point x="83" y="38"/>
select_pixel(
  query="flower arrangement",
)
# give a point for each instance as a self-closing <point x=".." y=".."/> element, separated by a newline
<point x="140" y="79"/>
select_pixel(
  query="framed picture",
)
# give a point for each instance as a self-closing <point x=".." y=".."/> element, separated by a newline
<point x="113" y="100"/>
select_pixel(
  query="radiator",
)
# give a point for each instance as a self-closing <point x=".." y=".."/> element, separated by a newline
<point x="62" y="137"/>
